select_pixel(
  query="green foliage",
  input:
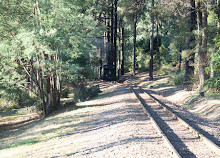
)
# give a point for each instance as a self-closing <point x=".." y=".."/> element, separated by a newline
<point x="53" y="38"/>
<point x="212" y="84"/>
<point x="216" y="55"/>
<point x="82" y="92"/>
<point x="165" y="68"/>
<point x="65" y="92"/>
<point x="178" y="77"/>
<point x="142" y="60"/>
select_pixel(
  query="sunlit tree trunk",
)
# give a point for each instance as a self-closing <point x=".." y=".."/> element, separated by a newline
<point x="134" y="43"/>
<point x="203" y="38"/>
<point x="158" y="45"/>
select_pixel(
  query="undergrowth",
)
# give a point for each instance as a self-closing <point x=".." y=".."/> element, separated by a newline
<point x="178" y="77"/>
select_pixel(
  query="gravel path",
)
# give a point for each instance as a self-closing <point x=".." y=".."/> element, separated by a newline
<point x="113" y="126"/>
<point x="122" y="130"/>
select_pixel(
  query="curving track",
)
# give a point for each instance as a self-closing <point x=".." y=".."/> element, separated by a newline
<point x="182" y="139"/>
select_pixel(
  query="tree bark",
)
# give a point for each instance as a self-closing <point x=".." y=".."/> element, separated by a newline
<point x="180" y="57"/>
<point x="158" y="45"/>
<point x="112" y="34"/>
<point x="122" y="50"/>
<point x="115" y="35"/>
<point x="119" y="52"/>
<point x="191" y="25"/>
<point x="134" y="44"/>
<point x="203" y="38"/>
<point x="152" y="45"/>
<point x="100" y="63"/>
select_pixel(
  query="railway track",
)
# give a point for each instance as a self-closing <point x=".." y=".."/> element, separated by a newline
<point x="181" y="138"/>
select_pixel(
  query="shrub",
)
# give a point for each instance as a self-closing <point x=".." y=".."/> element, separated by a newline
<point x="82" y="92"/>
<point x="65" y="92"/>
<point x="178" y="78"/>
<point x="212" y="83"/>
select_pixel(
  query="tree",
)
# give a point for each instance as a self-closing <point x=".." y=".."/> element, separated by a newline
<point x="46" y="42"/>
<point x="202" y="39"/>
<point x="191" y="26"/>
<point x="152" y="45"/>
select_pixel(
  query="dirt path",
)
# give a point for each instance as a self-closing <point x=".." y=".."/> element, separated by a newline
<point x="111" y="126"/>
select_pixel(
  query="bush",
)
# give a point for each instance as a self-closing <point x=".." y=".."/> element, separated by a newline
<point x="14" y="98"/>
<point x="7" y="104"/>
<point x="164" y="69"/>
<point x="213" y="83"/>
<point x="178" y="78"/>
<point x="65" y="92"/>
<point x="82" y="92"/>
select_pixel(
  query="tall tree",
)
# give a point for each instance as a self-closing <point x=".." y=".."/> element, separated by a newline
<point x="202" y="39"/>
<point x="152" y="44"/>
<point x="134" y="43"/>
<point x="191" y="26"/>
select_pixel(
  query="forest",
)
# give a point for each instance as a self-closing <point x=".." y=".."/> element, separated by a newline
<point x="48" y="46"/>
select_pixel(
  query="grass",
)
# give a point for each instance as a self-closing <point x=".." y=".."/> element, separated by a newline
<point x="102" y="94"/>
<point x="16" y="114"/>
<point x="28" y="141"/>
<point x="52" y="128"/>
<point x="159" y="83"/>
<point x="213" y="95"/>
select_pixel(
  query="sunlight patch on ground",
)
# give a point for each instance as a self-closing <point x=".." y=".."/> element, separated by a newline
<point x="45" y="131"/>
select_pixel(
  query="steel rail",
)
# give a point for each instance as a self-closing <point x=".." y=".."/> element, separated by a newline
<point x="166" y="140"/>
<point x="215" y="148"/>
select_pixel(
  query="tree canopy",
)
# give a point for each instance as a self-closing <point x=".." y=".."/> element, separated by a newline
<point x="47" y="45"/>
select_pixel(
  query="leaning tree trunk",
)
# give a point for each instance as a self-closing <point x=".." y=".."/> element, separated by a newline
<point x="134" y="44"/>
<point x="152" y="45"/>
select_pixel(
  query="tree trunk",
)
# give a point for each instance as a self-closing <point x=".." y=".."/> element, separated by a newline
<point x="180" y="57"/>
<point x="100" y="63"/>
<point x="158" y="45"/>
<point x="115" y="35"/>
<point x="191" y="25"/>
<point x="112" y="34"/>
<point x="119" y="52"/>
<point x="152" y="45"/>
<point x="134" y="44"/>
<point x="203" y="37"/>
<point x="122" y="51"/>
